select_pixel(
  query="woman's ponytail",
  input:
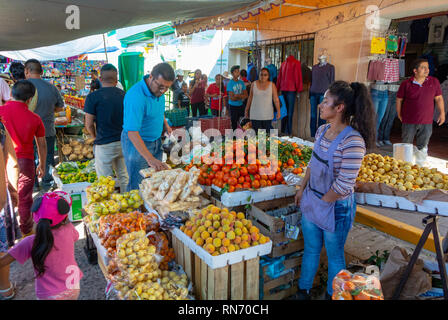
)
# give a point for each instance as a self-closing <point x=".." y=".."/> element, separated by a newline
<point x="42" y="245"/>
<point x="359" y="112"/>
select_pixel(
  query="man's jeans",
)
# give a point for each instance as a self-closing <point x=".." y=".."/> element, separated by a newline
<point x="422" y="132"/>
<point x="315" y="237"/>
<point x="27" y="173"/>
<point x="388" y="119"/>
<point x="48" y="178"/>
<point x="380" y="100"/>
<point x="135" y="162"/>
<point x="290" y="99"/>
<point x="315" y="100"/>
<point x="109" y="158"/>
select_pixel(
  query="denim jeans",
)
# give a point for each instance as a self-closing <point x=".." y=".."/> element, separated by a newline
<point x="315" y="100"/>
<point x="389" y="117"/>
<point x="334" y="242"/>
<point x="290" y="99"/>
<point x="109" y="158"/>
<point x="135" y="162"/>
<point x="48" y="178"/>
<point x="380" y="100"/>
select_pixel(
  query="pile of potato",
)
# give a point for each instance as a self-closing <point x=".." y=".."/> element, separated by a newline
<point x="401" y="175"/>
<point x="76" y="150"/>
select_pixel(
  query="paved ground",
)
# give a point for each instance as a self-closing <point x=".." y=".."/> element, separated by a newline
<point x="92" y="284"/>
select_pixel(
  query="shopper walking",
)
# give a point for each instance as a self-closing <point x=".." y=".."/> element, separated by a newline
<point x="197" y="94"/>
<point x="415" y="108"/>
<point x="25" y="127"/>
<point x="8" y="226"/>
<point x="143" y="123"/>
<point x="49" y="101"/>
<point x="52" y="250"/>
<point x="104" y="121"/>
<point x="237" y="93"/>
<point x="216" y="93"/>
<point x="326" y="196"/>
<point x="260" y="105"/>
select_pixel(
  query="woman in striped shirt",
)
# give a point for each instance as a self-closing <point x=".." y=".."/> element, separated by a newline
<point x="326" y="197"/>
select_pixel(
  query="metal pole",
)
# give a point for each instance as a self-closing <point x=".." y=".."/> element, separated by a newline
<point x="105" y="48"/>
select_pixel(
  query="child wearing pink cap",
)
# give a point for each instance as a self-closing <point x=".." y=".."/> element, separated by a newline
<point x="52" y="249"/>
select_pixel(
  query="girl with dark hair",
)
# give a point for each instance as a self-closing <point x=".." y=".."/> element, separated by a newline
<point x="326" y="196"/>
<point x="197" y="94"/>
<point x="52" y="249"/>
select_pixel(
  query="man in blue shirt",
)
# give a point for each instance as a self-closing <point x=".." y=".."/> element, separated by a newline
<point x="237" y="93"/>
<point x="104" y="121"/>
<point x="143" y="123"/>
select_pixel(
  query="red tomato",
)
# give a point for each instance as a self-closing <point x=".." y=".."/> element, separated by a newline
<point x="231" y="189"/>
<point x="232" y="181"/>
<point x="219" y="175"/>
<point x="208" y="182"/>
<point x="256" y="184"/>
<point x="257" y="177"/>
<point x="272" y="177"/>
<point x="263" y="183"/>
<point x="201" y="180"/>
<point x="239" y="186"/>
<point x="241" y="180"/>
<point x="215" y="167"/>
<point x="291" y="162"/>
<point x="252" y="169"/>
<point x="246" y="185"/>
<point x="243" y="171"/>
<point x="235" y="173"/>
<point x="248" y="179"/>
<point x="279" y="177"/>
<point x="226" y="169"/>
<point x="226" y="177"/>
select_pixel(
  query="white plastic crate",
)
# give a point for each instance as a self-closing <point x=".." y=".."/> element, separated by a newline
<point x="395" y="202"/>
<point x="223" y="260"/>
<point x="252" y="196"/>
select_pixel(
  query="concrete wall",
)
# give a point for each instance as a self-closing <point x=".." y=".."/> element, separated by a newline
<point x="342" y="31"/>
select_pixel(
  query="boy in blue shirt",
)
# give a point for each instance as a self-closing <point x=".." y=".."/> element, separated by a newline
<point x="143" y="123"/>
<point x="237" y="93"/>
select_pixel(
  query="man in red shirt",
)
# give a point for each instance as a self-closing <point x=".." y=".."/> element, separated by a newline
<point x="217" y="93"/>
<point x="415" y="108"/>
<point x="24" y="127"/>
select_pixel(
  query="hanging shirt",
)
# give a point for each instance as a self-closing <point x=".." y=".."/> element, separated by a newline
<point x="437" y="27"/>
<point x="322" y="77"/>
<point x="391" y="70"/>
<point x="392" y="43"/>
<point x="378" y="45"/>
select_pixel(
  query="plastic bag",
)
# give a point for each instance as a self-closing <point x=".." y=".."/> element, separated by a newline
<point x="160" y="241"/>
<point x="357" y="286"/>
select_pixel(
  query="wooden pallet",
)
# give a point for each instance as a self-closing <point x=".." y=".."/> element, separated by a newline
<point x="238" y="281"/>
<point x="274" y="227"/>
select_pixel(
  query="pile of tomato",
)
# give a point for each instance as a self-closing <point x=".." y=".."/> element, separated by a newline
<point x="234" y="177"/>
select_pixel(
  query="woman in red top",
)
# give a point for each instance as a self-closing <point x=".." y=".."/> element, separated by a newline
<point x="216" y="92"/>
<point x="197" y="94"/>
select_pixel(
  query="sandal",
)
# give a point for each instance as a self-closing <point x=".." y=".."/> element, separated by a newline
<point x="13" y="288"/>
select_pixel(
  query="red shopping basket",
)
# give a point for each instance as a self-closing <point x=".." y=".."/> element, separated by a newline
<point x="219" y="123"/>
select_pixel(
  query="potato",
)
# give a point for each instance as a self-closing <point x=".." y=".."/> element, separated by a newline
<point x="72" y="157"/>
<point x="66" y="150"/>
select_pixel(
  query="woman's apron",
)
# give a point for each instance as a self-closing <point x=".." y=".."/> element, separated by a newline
<point x="320" y="212"/>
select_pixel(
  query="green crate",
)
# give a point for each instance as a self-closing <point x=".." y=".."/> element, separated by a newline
<point x="178" y="117"/>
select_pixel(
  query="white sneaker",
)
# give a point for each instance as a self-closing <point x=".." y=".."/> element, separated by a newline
<point x="387" y="143"/>
<point x="379" y="144"/>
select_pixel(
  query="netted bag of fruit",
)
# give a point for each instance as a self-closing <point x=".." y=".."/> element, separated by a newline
<point x="136" y="258"/>
<point x="358" y="286"/>
<point x="152" y="221"/>
<point x="160" y="241"/>
<point x="148" y="290"/>
<point x="175" y="284"/>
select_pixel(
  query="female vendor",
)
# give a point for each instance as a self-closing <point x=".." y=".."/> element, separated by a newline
<point x="326" y="197"/>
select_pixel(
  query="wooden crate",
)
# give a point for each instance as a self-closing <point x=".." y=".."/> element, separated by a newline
<point x="238" y="281"/>
<point x="274" y="227"/>
<point x="290" y="278"/>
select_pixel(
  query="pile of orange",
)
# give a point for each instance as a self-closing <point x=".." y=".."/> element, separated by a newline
<point x="220" y="231"/>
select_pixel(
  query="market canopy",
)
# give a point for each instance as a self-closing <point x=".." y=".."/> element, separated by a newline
<point x="30" y="24"/>
<point x="248" y="18"/>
